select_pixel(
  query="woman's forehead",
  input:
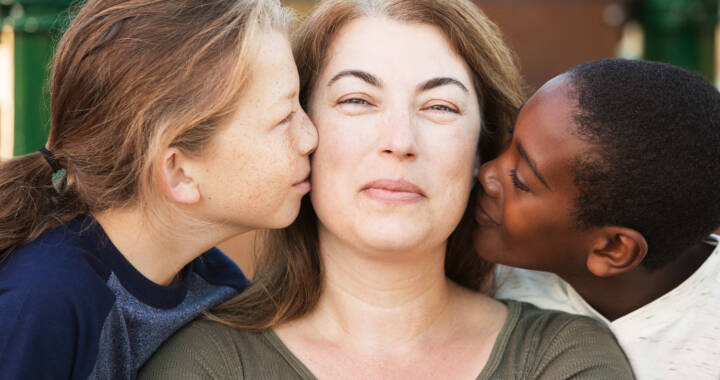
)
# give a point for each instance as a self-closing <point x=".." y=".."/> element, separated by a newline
<point x="382" y="45"/>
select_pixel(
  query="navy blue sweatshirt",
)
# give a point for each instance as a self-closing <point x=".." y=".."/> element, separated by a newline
<point x="72" y="307"/>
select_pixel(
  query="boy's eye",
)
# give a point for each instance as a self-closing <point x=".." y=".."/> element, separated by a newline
<point x="516" y="181"/>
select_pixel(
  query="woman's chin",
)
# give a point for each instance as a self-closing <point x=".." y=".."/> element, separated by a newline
<point x="374" y="231"/>
<point x="396" y="237"/>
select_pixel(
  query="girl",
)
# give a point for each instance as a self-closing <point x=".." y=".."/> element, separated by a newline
<point x="175" y="125"/>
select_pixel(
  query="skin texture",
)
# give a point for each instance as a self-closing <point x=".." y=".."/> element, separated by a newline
<point x="250" y="176"/>
<point x="387" y="309"/>
<point x="527" y="222"/>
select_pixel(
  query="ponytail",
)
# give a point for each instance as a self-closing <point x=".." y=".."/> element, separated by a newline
<point x="130" y="78"/>
<point x="30" y="203"/>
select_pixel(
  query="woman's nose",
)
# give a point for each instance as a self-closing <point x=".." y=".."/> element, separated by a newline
<point x="398" y="136"/>
<point x="489" y="179"/>
<point x="306" y="137"/>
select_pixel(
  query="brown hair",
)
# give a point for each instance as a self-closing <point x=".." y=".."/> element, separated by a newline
<point x="130" y="78"/>
<point x="289" y="275"/>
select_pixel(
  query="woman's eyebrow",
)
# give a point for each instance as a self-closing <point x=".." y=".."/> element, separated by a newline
<point x="363" y="75"/>
<point x="441" y="81"/>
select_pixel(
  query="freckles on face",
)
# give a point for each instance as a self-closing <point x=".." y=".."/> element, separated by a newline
<point x="250" y="167"/>
<point x="255" y="160"/>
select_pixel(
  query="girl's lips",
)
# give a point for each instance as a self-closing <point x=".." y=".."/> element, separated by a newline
<point x="303" y="186"/>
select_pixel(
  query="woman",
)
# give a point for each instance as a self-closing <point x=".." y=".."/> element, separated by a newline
<point x="175" y="125"/>
<point x="377" y="279"/>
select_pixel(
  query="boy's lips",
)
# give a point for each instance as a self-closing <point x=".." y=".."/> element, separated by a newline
<point x="482" y="217"/>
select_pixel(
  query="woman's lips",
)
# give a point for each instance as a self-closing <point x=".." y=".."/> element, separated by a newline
<point x="482" y="218"/>
<point x="393" y="191"/>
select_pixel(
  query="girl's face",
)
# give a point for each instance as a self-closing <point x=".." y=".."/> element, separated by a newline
<point x="257" y="167"/>
<point x="399" y="122"/>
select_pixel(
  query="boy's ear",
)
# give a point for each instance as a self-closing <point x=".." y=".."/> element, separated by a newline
<point x="175" y="178"/>
<point x="616" y="250"/>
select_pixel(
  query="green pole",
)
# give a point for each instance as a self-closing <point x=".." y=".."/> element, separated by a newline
<point x="681" y="32"/>
<point x="36" y="26"/>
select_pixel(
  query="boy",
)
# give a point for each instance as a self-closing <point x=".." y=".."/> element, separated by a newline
<point x="611" y="183"/>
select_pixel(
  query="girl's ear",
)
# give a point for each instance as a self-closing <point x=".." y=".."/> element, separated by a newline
<point x="616" y="250"/>
<point x="175" y="178"/>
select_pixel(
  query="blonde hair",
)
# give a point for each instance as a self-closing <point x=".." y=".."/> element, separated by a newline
<point x="289" y="274"/>
<point x="131" y="78"/>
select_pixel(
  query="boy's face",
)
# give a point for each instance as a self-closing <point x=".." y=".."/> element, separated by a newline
<point x="524" y="207"/>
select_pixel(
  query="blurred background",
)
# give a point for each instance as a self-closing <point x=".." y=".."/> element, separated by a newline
<point x="548" y="36"/>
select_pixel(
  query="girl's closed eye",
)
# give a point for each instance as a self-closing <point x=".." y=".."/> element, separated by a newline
<point x="287" y="118"/>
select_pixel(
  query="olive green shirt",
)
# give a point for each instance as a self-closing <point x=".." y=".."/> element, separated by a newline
<point x="532" y="344"/>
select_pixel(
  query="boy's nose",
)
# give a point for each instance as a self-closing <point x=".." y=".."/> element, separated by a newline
<point x="488" y="178"/>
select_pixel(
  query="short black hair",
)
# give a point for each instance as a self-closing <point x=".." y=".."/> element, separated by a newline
<point x="654" y="165"/>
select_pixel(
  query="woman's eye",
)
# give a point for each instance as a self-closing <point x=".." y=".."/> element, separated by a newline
<point x="443" y="108"/>
<point x="516" y="181"/>
<point x="354" y="101"/>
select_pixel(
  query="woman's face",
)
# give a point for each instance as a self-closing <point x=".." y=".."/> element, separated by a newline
<point x="399" y="121"/>
<point x="258" y="165"/>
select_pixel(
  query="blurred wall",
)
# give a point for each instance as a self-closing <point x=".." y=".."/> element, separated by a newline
<point x="550" y="36"/>
<point x="6" y="93"/>
<point x="300" y="6"/>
